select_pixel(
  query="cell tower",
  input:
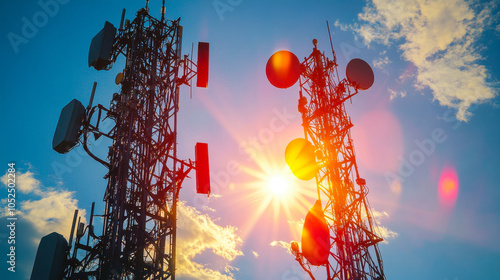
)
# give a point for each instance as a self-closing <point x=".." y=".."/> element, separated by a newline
<point x="339" y="230"/>
<point x="138" y="240"/>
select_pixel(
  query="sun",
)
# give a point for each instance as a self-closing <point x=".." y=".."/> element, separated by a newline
<point x="276" y="191"/>
<point x="278" y="185"/>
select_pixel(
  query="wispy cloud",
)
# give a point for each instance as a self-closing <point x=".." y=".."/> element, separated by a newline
<point x="381" y="230"/>
<point x="255" y="254"/>
<point x="282" y="244"/>
<point x="198" y="233"/>
<point x="395" y="93"/>
<point x="382" y="61"/>
<point x="296" y="227"/>
<point x="440" y="38"/>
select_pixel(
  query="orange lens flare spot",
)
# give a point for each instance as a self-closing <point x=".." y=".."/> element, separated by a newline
<point x="448" y="187"/>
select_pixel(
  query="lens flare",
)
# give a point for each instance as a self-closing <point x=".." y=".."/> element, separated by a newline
<point x="448" y="187"/>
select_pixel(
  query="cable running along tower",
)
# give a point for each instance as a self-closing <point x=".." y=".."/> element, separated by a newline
<point x="339" y="230"/>
<point x="138" y="240"/>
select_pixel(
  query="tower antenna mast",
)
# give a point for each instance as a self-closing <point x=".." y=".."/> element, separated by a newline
<point x="138" y="239"/>
<point x="339" y="231"/>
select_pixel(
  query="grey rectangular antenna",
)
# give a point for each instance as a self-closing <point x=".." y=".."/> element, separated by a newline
<point x="68" y="127"/>
<point x="50" y="258"/>
<point x="101" y="47"/>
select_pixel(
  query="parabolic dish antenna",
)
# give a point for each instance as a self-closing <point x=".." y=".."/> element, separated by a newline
<point x="359" y="74"/>
<point x="300" y="157"/>
<point x="316" y="236"/>
<point x="283" y="69"/>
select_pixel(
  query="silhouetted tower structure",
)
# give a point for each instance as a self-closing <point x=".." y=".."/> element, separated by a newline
<point x="145" y="176"/>
<point x="339" y="230"/>
<point x="144" y="179"/>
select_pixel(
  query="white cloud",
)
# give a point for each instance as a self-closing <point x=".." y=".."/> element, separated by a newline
<point x="208" y="209"/>
<point x="440" y="38"/>
<point x="295" y="226"/>
<point x="50" y="211"/>
<point x="25" y="182"/>
<point x="380" y="230"/>
<point x="255" y="254"/>
<point x="381" y="61"/>
<point x="396" y="93"/>
<point x="283" y="244"/>
<point x="197" y="233"/>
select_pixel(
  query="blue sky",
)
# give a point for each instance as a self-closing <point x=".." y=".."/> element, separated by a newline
<point x="434" y="62"/>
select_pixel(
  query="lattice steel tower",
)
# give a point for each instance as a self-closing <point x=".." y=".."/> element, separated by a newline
<point x="145" y="176"/>
<point x="339" y="231"/>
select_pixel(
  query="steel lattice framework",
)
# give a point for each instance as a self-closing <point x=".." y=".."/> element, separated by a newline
<point x="145" y="176"/>
<point x="354" y="252"/>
